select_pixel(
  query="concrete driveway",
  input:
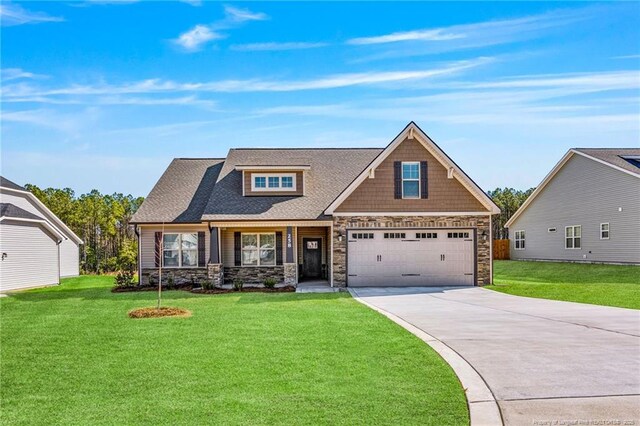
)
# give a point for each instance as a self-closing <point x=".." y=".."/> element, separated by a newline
<point x="544" y="361"/>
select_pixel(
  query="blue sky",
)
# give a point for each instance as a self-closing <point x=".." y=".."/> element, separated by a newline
<point x="103" y="94"/>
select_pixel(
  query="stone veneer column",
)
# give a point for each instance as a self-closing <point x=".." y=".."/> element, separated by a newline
<point x="341" y="223"/>
<point x="215" y="274"/>
<point x="290" y="274"/>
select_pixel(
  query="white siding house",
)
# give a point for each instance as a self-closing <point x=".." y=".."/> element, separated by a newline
<point x="36" y="247"/>
<point x="587" y="209"/>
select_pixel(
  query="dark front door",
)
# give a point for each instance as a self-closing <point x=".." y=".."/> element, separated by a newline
<point x="311" y="257"/>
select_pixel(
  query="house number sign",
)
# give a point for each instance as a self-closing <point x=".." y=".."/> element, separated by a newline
<point x="312" y="245"/>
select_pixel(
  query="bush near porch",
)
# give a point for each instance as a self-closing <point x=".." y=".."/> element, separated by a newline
<point x="609" y="285"/>
<point x="70" y="355"/>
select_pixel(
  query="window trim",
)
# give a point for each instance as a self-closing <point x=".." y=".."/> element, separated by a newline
<point x="608" y="231"/>
<point x="258" y="248"/>
<point x="522" y="239"/>
<point x="180" y="265"/>
<point x="402" y="179"/>
<point x="279" y="188"/>
<point x="573" y="237"/>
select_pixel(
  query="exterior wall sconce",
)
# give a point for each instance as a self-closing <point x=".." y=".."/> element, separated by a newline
<point x="484" y="235"/>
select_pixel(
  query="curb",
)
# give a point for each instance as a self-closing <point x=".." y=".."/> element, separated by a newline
<point x="483" y="408"/>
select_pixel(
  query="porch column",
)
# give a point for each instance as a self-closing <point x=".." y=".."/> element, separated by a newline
<point x="214" y="268"/>
<point x="290" y="267"/>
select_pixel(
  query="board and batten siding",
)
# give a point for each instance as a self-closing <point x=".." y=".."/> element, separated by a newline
<point x="227" y="244"/>
<point x="32" y="256"/>
<point x="148" y="245"/>
<point x="69" y="249"/>
<point x="587" y="193"/>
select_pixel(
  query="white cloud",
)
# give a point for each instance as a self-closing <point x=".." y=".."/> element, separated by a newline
<point x="199" y="35"/>
<point x="13" y="14"/>
<point x="192" y="2"/>
<point x="7" y="74"/>
<point x="627" y="57"/>
<point x="272" y="46"/>
<point x="236" y="14"/>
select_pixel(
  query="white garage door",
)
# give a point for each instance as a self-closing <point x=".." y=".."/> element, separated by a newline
<point x="411" y="257"/>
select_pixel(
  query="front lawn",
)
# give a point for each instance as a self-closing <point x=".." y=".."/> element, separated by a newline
<point x="70" y="355"/>
<point x="610" y="285"/>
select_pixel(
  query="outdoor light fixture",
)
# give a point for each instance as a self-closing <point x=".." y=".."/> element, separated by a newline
<point x="484" y="235"/>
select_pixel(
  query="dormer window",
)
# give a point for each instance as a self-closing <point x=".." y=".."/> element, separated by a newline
<point x="273" y="182"/>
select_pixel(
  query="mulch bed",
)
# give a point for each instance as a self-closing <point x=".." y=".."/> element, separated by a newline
<point x="286" y="289"/>
<point x="159" y="312"/>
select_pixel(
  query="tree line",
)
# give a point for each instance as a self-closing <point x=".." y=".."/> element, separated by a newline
<point x="509" y="200"/>
<point x="103" y="223"/>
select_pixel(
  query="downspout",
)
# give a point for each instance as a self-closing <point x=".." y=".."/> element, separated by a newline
<point x="135" y="230"/>
<point x="58" y="247"/>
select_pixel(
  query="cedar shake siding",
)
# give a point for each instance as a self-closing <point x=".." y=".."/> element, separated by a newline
<point x="299" y="184"/>
<point x="444" y="194"/>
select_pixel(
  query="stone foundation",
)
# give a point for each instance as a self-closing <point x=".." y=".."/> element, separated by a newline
<point x="253" y="275"/>
<point x="215" y="272"/>
<point x="342" y="223"/>
<point x="290" y="273"/>
<point x="172" y="277"/>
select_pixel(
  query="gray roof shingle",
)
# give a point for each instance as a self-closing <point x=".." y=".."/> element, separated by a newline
<point x="10" y="210"/>
<point x="6" y="183"/>
<point x="332" y="170"/>
<point x="182" y="192"/>
<point x="614" y="156"/>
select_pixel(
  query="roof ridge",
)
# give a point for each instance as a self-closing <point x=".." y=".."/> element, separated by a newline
<point x="200" y="158"/>
<point x="303" y="149"/>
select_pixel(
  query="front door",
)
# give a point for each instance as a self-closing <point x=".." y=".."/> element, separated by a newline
<point x="311" y="257"/>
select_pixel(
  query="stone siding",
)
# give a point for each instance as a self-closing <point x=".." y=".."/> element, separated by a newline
<point x="290" y="273"/>
<point x="253" y="275"/>
<point x="342" y="223"/>
<point x="175" y="276"/>
<point x="215" y="273"/>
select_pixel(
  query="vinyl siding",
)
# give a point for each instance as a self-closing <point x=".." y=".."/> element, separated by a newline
<point x="32" y="256"/>
<point x="228" y="258"/>
<point x="147" y="240"/>
<point x="377" y="194"/>
<point x="587" y="193"/>
<point x="69" y="259"/>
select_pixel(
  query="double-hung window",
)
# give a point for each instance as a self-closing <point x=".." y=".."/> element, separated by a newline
<point x="519" y="240"/>
<point x="179" y="250"/>
<point x="259" y="249"/>
<point x="604" y="231"/>
<point x="411" y="180"/>
<point x="572" y="237"/>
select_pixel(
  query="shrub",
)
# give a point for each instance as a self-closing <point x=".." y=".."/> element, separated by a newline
<point x="269" y="282"/>
<point x="124" y="279"/>
<point x="238" y="284"/>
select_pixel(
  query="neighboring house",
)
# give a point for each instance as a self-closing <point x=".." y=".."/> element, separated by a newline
<point x="36" y="247"/>
<point x="586" y="209"/>
<point x="399" y="216"/>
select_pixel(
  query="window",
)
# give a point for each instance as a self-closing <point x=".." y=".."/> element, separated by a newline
<point x="260" y="182"/>
<point x="398" y="235"/>
<point x="458" y="235"/>
<point x="604" y="231"/>
<point x="411" y="180"/>
<point x="551" y="229"/>
<point x="572" y="237"/>
<point x="426" y="235"/>
<point x="362" y="236"/>
<point x="273" y="182"/>
<point x="519" y="240"/>
<point x="258" y="249"/>
<point x="179" y="250"/>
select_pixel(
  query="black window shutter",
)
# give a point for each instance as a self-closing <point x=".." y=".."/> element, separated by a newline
<point x="158" y="240"/>
<point x="237" y="248"/>
<point x="201" y="258"/>
<point x="278" y="248"/>
<point x="397" y="179"/>
<point x="424" y="179"/>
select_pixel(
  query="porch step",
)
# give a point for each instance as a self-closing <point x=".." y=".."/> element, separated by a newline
<point x="317" y="289"/>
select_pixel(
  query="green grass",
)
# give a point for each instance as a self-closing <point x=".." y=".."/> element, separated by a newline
<point x="609" y="285"/>
<point x="70" y="355"/>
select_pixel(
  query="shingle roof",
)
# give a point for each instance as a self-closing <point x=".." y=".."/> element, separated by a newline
<point x="10" y="210"/>
<point x="182" y="192"/>
<point x="613" y="156"/>
<point x="6" y="183"/>
<point x="332" y="170"/>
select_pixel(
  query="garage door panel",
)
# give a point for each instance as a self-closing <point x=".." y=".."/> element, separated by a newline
<point x="436" y="260"/>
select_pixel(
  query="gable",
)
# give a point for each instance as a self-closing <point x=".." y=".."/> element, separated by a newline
<point x="444" y="194"/>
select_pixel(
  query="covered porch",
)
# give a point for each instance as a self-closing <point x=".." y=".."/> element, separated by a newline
<point x="291" y="253"/>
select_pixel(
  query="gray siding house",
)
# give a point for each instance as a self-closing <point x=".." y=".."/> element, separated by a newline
<point x="587" y="209"/>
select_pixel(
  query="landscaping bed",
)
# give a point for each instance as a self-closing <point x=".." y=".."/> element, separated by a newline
<point x="163" y="311"/>
<point x="201" y="290"/>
